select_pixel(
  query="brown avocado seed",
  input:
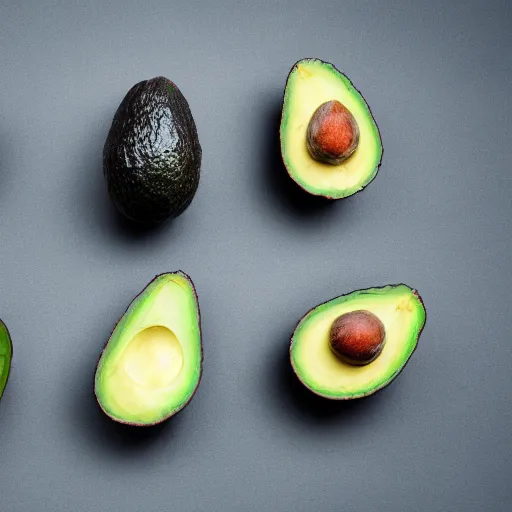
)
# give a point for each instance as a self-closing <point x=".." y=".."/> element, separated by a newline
<point x="357" y="337"/>
<point x="333" y="134"/>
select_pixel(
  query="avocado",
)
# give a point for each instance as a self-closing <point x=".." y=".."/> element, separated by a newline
<point x="151" y="366"/>
<point x="330" y="143"/>
<point x="152" y="155"/>
<point x="356" y="344"/>
<point x="5" y="356"/>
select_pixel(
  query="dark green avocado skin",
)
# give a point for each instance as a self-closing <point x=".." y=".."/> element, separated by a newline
<point x="152" y="155"/>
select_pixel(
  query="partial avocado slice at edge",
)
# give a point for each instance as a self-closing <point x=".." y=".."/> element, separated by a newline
<point x="5" y="357"/>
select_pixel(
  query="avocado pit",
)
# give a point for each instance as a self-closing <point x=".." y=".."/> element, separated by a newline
<point x="154" y="357"/>
<point x="333" y="133"/>
<point x="357" y="337"/>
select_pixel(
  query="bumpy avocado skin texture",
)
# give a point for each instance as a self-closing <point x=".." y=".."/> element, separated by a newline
<point x="5" y="357"/>
<point x="403" y="314"/>
<point x="310" y="83"/>
<point x="169" y="303"/>
<point x="152" y="155"/>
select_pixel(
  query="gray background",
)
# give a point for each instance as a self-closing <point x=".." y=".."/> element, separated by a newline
<point x="437" y="77"/>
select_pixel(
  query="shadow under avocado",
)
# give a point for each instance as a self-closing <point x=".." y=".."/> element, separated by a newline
<point x="134" y="230"/>
<point x="127" y="437"/>
<point x="5" y="162"/>
<point x="276" y="184"/>
<point x="292" y="398"/>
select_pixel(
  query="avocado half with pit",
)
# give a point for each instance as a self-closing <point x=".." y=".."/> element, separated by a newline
<point x="151" y="366"/>
<point x="5" y="356"/>
<point x="330" y="143"/>
<point x="356" y="344"/>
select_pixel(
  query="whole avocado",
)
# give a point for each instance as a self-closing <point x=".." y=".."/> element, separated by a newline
<point x="152" y="155"/>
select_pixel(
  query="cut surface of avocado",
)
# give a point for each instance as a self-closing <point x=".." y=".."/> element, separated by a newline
<point x="311" y="83"/>
<point x="152" y="363"/>
<point x="400" y="309"/>
<point x="5" y="356"/>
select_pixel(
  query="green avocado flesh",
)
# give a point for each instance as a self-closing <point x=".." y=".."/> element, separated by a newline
<point x="311" y="83"/>
<point x="400" y="309"/>
<point x="152" y="363"/>
<point x="5" y="356"/>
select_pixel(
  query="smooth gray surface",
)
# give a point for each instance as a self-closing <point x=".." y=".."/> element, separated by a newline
<point x="437" y="77"/>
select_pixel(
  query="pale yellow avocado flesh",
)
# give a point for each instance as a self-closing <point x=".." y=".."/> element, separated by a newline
<point x="311" y="83"/>
<point x="403" y="315"/>
<point x="151" y="365"/>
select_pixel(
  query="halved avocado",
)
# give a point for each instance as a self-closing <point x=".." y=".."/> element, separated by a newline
<point x="311" y="84"/>
<point x="151" y="366"/>
<point x="401" y="311"/>
<point x="5" y="356"/>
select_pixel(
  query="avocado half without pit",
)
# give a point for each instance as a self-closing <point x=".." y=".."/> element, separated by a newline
<point x="330" y="143"/>
<point x="356" y="344"/>
<point x="152" y="155"/>
<point x="5" y="357"/>
<point x="151" y="366"/>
